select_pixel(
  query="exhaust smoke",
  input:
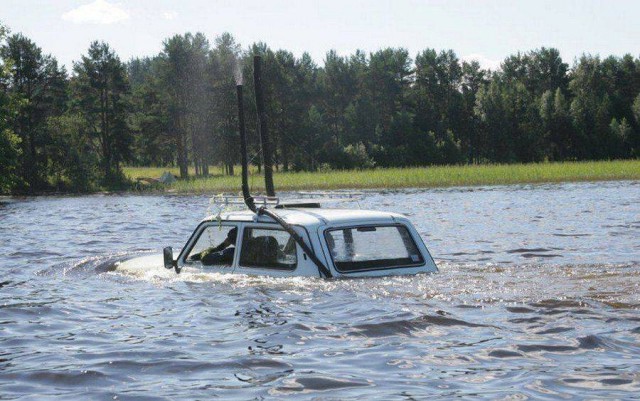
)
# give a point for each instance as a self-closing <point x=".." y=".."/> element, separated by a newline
<point x="237" y="71"/>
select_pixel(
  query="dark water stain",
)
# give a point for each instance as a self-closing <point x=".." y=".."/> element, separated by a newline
<point x="546" y="348"/>
<point x="616" y="382"/>
<point x="591" y="342"/>
<point x="555" y="330"/>
<point x="318" y="383"/>
<point x="540" y="255"/>
<point x="501" y="353"/>
<point x="407" y="327"/>
<point x="528" y="250"/>
<point x="519" y="309"/>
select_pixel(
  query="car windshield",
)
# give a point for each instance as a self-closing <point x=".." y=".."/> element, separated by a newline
<point x="372" y="247"/>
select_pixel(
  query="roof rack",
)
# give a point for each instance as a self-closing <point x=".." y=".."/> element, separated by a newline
<point x="302" y="199"/>
<point x="305" y="199"/>
<point x="272" y="201"/>
<point x="337" y="195"/>
<point x="224" y="203"/>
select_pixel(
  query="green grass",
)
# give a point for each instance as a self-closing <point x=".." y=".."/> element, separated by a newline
<point x="134" y="173"/>
<point x="419" y="177"/>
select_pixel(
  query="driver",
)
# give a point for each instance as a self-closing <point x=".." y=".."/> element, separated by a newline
<point x="221" y="254"/>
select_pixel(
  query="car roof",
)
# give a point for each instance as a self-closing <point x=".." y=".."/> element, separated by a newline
<point x="313" y="216"/>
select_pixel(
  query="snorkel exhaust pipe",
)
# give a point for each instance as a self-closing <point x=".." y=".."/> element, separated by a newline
<point x="262" y="127"/>
<point x="246" y="195"/>
<point x="268" y="172"/>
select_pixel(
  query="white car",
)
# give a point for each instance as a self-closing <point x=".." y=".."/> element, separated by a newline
<point x="305" y="242"/>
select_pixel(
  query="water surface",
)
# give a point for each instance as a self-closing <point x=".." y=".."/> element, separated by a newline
<point x="537" y="297"/>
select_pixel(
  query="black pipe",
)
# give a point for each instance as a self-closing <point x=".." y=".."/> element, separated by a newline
<point x="246" y="195"/>
<point x="268" y="170"/>
<point x="324" y="271"/>
<point x="262" y="127"/>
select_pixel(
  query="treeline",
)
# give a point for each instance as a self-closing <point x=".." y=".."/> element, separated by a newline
<point x="74" y="130"/>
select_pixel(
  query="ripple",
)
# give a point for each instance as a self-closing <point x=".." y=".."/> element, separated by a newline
<point x="408" y="327"/>
<point x="551" y="311"/>
<point x="85" y="377"/>
<point x="546" y="348"/>
<point x="591" y="342"/>
<point x="503" y="353"/>
<point x="308" y="384"/>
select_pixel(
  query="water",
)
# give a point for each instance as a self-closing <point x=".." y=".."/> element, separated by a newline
<point x="537" y="297"/>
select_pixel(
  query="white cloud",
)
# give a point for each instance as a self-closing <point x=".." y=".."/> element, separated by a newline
<point x="98" y="12"/>
<point x="484" y="61"/>
<point x="169" y="15"/>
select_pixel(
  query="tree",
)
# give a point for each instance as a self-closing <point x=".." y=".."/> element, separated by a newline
<point x="225" y="71"/>
<point x="473" y="78"/>
<point x="9" y="142"/>
<point x="635" y="142"/>
<point x="148" y="116"/>
<point x="590" y="107"/>
<point x="303" y="140"/>
<point x="388" y="78"/>
<point x="184" y="80"/>
<point x="557" y="126"/>
<point x="545" y="71"/>
<point x="9" y="155"/>
<point x="620" y="140"/>
<point x="338" y="83"/>
<point x="441" y="91"/>
<point x="100" y="88"/>
<point x="492" y="135"/>
<point x="40" y="85"/>
<point x="73" y="162"/>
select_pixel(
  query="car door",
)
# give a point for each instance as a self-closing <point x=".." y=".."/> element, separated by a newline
<point x="267" y="249"/>
<point x="200" y="251"/>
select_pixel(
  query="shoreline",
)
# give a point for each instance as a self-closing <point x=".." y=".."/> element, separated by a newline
<point x="465" y="176"/>
<point x="416" y="177"/>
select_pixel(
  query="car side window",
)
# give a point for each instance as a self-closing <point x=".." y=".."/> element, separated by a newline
<point x="215" y="245"/>
<point x="268" y="248"/>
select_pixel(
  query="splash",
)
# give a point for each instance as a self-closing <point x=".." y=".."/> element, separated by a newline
<point x="469" y="284"/>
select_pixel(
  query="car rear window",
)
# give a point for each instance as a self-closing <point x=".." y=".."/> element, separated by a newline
<point x="372" y="247"/>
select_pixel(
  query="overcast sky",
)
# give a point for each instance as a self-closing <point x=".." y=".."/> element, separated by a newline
<point x="486" y="30"/>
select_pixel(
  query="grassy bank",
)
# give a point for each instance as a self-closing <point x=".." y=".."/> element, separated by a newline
<point x="420" y="177"/>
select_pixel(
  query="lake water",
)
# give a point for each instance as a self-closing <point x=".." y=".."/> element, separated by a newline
<point x="537" y="297"/>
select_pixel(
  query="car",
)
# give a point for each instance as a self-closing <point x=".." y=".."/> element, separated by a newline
<point x="335" y="243"/>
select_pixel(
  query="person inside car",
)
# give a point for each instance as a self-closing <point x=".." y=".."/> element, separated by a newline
<point x="221" y="254"/>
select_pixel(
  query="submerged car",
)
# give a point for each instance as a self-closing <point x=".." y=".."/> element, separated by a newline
<point x="312" y="242"/>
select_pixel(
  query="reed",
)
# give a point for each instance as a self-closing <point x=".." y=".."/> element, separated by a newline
<point x="418" y="177"/>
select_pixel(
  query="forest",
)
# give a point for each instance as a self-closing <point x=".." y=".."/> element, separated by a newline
<point x="75" y="130"/>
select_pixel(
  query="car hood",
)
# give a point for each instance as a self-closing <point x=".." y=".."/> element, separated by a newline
<point x="144" y="266"/>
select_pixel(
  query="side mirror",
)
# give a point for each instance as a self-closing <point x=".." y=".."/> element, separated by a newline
<point x="169" y="263"/>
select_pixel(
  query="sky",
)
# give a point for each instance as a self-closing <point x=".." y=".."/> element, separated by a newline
<point x="484" y="30"/>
